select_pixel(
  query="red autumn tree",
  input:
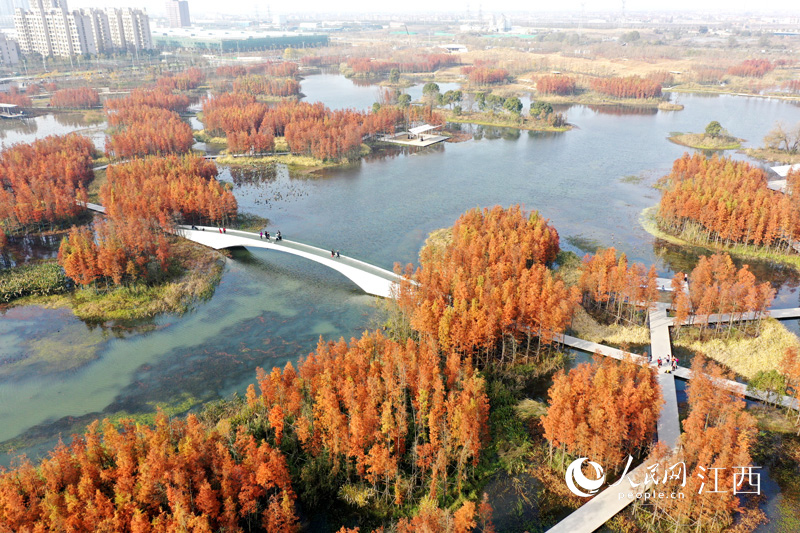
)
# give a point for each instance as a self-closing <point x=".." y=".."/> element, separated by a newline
<point x="175" y="476"/>
<point x="609" y="284"/>
<point x="718" y="435"/>
<point x="627" y="87"/>
<point x="79" y="97"/>
<point x="488" y="292"/>
<point x="417" y="428"/>
<point x="604" y="411"/>
<point x="555" y="84"/>
<point x="41" y="182"/>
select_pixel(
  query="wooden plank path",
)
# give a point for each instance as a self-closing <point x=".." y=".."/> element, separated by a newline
<point x="779" y="314"/>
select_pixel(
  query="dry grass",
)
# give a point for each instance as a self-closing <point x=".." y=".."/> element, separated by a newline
<point x="776" y="156"/>
<point x="744" y="355"/>
<point x="587" y="328"/>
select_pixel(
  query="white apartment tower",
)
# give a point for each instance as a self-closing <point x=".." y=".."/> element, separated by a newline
<point x="49" y="29"/>
<point x="178" y="13"/>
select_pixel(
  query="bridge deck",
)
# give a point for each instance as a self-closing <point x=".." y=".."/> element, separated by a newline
<point x="373" y="280"/>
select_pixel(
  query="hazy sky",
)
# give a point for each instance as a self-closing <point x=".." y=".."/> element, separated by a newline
<point x="246" y="7"/>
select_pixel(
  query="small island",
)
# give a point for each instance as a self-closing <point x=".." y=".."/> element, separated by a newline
<point x="715" y="137"/>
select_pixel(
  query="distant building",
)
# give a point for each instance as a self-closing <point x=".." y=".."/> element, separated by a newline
<point x="178" y="13"/>
<point x="51" y="30"/>
<point x="9" y="51"/>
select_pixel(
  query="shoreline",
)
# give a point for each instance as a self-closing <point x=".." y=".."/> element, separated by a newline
<point x="647" y="219"/>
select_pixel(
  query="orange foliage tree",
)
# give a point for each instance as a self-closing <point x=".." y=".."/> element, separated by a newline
<point x="752" y="68"/>
<point x="728" y="202"/>
<point x="79" y="97"/>
<point x="488" y="291"/>
<point x="174" y="476"/>
<point x="604" y="411"/>
<point x="41" y="182"/>
<point x="561" y="85"/>
<point x="13" y="96"/>
<point x="717" y="434"/>
<point x="309" y="129"/>
<point x="378" y="413"/>
<point x="611" y="285"/>
<point x="142" y="130"/>
<point x="627" y="87"/>
<point x="717" y="287"/>
<point x="191" y="78"/>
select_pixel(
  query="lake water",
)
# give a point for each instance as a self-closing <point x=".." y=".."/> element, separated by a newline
<point x="592" y="183"/>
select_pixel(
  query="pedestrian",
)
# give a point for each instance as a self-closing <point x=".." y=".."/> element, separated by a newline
<point x="224" y="230"/>
<point x="260" y="234"/>
<point x="333" y="254"/>
<point x="674" y="366"/>
<point x="267" y="234"/>
<point x="337" y="254"/>
<point x="220" y="230"/>
<point x="659" y="362"/>
<point x="279" y="236"/>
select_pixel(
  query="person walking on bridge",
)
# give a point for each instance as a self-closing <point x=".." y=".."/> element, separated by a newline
<point x="333" y="254"/>
<point x="278" y="236"/>
<point x="266" y="233"/>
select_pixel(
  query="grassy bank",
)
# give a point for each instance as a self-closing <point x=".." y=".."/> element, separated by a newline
<point x="593" y="98"/>
<point x="776" y="156"/>
<point x="195" y="275"/>
<point x="744" y="354"/>
<point x="625" y="337"/>
<point x="203" y="137"/>
<point x="650" y="224"/>
<point x="503" y="121"/>
<point x="702" y="141"/>
<point x="294" y="162"/>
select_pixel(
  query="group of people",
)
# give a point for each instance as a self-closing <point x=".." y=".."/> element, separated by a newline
<point x="263" y="234"/>
<point x="335" y="253"/>
<point x="670" y="362"/>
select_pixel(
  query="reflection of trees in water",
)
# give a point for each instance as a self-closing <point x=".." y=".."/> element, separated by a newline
<point x="74" y="120"/>
<point x="622" y="110"/>
<point x="364" y="82"/>
<point x="29" y="248"/>
<point x="273" y="182"/>
<point x="253" y="174"/>
<point x="685" y="258"/>
<point x="18" y="125"/>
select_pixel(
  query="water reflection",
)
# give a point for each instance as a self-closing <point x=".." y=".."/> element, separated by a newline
<point x="622" y="110"/>
<point x="24" y="126"/>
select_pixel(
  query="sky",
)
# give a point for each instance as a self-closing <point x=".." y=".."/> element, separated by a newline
<point x="248" y="7"/>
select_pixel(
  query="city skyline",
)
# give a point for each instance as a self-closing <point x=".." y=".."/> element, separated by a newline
<point x="247" y="8"/>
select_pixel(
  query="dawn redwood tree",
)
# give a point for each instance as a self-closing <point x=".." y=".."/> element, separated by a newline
<point x="488" y="293"/>
<point x="605" y="411"/>
<point x="41" y="182"/>
<point x="612" y="286"/>
<point x="79" y="97"/>
<point x="726" y="202"/>
<point x="175" y="476"/>
<point x="718" y="433"/>
<point x="416" y="429"/>
<point x="717" y="287"/>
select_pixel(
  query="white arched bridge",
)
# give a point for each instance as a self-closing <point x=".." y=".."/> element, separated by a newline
<point x="371" y="279"/>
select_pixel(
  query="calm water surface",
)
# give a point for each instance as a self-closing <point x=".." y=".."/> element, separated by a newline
<point x="592" y="182"/>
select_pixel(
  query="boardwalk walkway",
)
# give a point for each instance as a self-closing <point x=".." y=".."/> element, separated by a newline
<point x="373" y="280"/>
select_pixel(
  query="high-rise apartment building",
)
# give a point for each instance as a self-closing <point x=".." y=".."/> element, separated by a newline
<point x="178" y="13"/>
<point x="51" y="30"/>
<point x="9" y="51"/>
